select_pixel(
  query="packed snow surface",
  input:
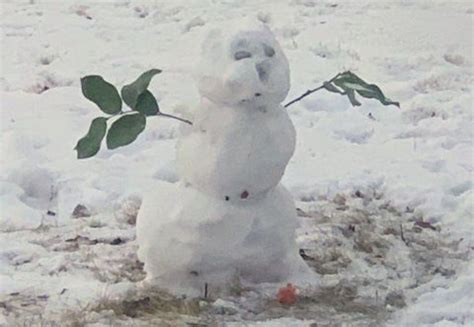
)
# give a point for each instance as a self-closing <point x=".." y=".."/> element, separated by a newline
<point x="384" y="195"/>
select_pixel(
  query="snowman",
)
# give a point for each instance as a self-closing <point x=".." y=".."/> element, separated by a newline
<point x="228" y="218"/>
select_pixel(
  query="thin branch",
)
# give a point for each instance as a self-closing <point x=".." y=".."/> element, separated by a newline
<point x="121" y="113"/>
<point x="175" y="117"/>
<point x="403" y="236"/>
<point x="117" y="114"/>
<point x="304" y="95"/>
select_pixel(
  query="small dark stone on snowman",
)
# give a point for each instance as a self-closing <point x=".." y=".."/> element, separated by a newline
<point x="81" y="211"/>
<point x="244" y="195"/>
<point x="116" y="241"/>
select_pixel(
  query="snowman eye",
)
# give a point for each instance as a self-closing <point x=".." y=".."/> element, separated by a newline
<point x="242" y="55"/>
<point x="269" y="51"/>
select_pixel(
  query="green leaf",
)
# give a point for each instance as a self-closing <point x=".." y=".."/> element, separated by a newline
<point x="131" y="92"/>
<point x="351" y="83"/>
<point x="89" y="145"/>
<point x="146" y="104"/>
<point x="331" y="88"/>
<point x="376" y="93"/>
<point x="125" y="130"/>
<point x="352" y="98"/>
<point x="102" y="93"/>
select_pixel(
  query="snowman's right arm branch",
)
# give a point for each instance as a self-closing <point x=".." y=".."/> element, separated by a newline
<point x="175" y="117"/>
<point x="158" y="114"/>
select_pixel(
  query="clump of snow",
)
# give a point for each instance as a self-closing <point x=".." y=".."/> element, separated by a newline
<point x="245" y="150"/>
<point x="204" y="240"/>
<point x="228" y="217"/>
<point x="195" y="22"/>
<point x="237" y="63"/>
<point x="16" y="214"/>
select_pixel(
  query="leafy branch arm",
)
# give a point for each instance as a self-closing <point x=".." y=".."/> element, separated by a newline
<point x="308" y="92"/>
<point x="349" y="84"/>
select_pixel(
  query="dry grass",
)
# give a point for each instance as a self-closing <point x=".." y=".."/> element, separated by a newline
<point x="150" y="302"/>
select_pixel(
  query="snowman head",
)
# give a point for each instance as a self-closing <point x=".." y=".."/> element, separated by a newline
<point x="243" y="67"/>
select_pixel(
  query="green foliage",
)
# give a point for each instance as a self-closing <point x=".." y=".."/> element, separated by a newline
<point x="143" y="104"/>
<point x="331" y="88"/>
<point x="89" y="145"/>
<point x="125" y="130"/>
<point x="102" y="93"/>
<point x="349" y="84"/>
<point x="146" y="104"/>
<point x="129" y="125"/>
<point x="131" y="92"/>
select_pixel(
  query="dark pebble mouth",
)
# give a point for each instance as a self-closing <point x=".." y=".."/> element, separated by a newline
<point x="257" y="95"/>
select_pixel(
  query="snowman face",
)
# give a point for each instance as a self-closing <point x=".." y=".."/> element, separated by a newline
<point x="245" y="68"/>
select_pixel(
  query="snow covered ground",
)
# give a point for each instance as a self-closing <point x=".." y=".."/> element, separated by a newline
<point x="385" y="200"/>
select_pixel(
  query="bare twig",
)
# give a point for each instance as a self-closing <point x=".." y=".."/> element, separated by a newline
<point x="304" y="95"/>
<point x="175" y="117"/>
<point x="403" y="236"/>
<point x="121" y="113"/>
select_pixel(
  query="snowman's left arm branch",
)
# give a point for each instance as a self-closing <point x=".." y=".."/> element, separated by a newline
<point x="308" y="92"/>
<point x="349" y="84"/>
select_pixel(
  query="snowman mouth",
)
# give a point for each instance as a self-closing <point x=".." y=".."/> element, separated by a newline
<point x="256" y="95"/>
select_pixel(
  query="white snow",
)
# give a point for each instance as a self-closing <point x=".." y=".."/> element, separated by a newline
<point x="380" y="175"/>
<point x="234" y="150"/>
<point x="239" y="61"/>
<point x="233" y="220"/>
<point x="203" y="240"/>
<point x="444" y="306"/>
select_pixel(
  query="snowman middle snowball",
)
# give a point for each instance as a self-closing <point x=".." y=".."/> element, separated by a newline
<point x="229" y="216"/>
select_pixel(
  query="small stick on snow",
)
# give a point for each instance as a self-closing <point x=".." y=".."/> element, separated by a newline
<point x="205" y="290"/>
<point x="402" y="236"/>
